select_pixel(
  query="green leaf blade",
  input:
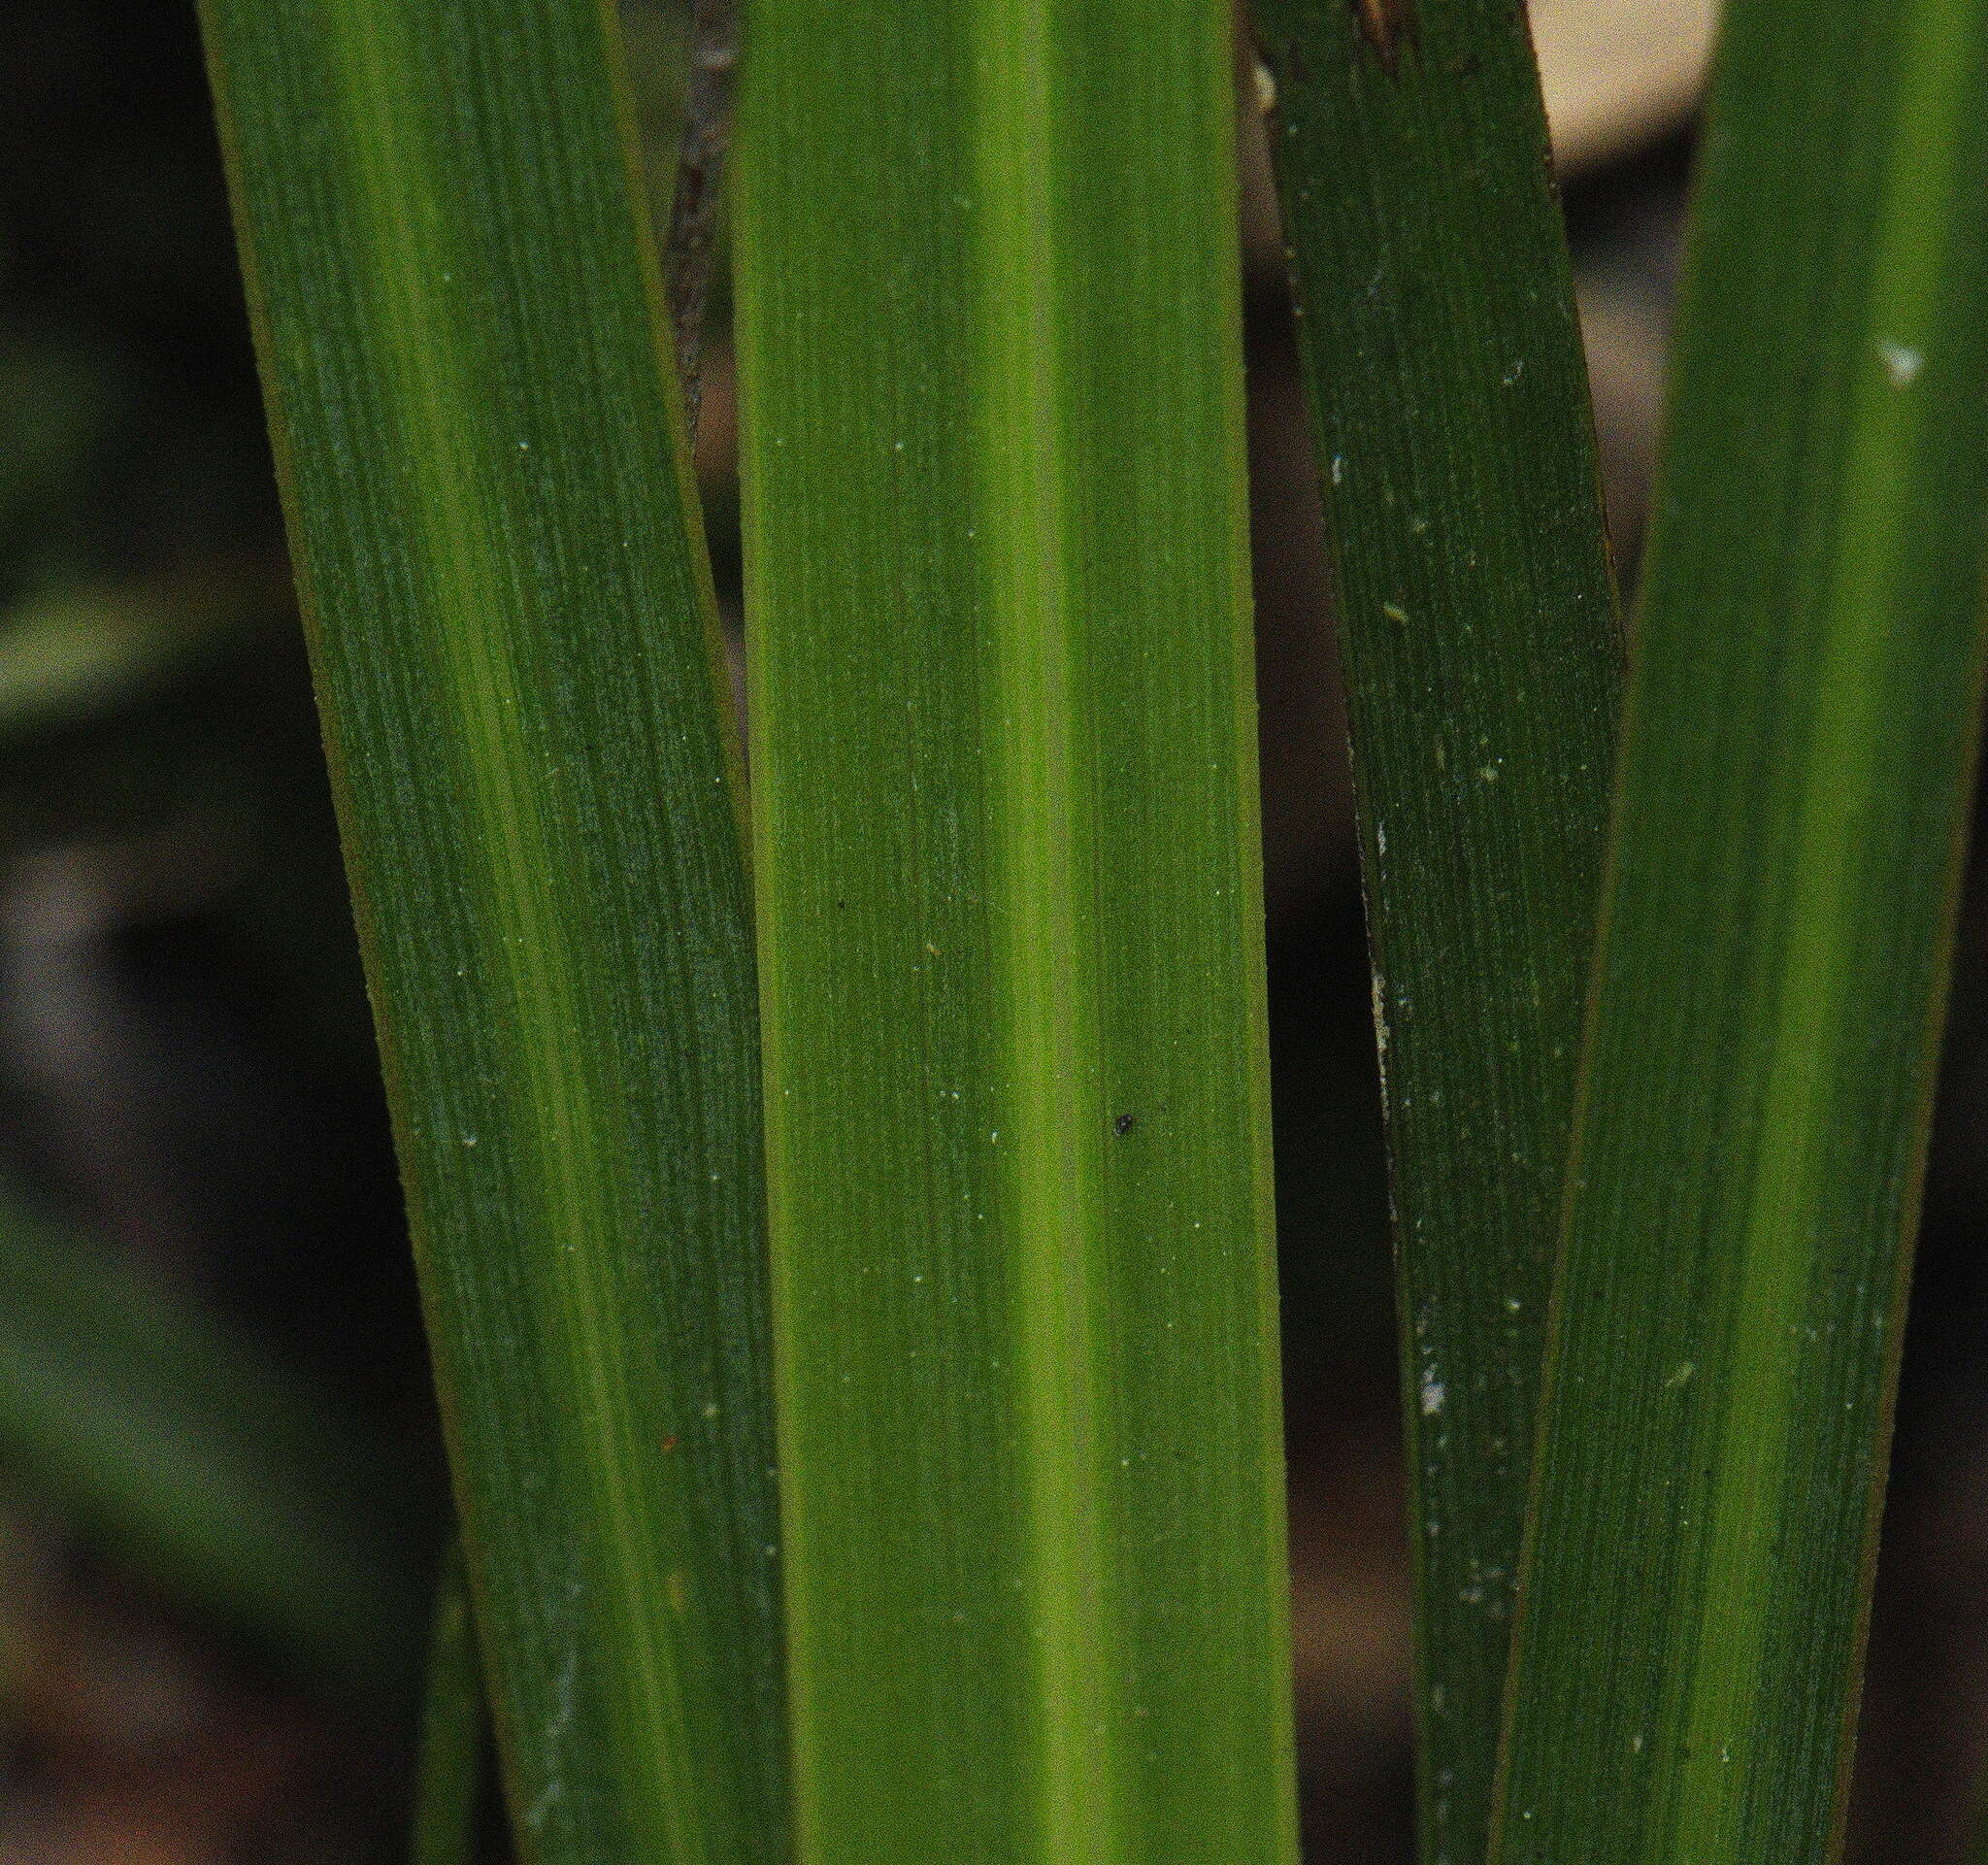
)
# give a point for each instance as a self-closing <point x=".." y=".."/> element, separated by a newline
<point x="1005" y="815"/>
<point x="511" y="628"/>
<point x="1483" y="658"/>
<point x="1794" y="787"/>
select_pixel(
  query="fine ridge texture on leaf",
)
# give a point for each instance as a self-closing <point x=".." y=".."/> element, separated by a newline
<point x="462" y="342"/>
<point x="1006" y="841"/>
<point x="1799" y="737"/>
<point x="1483" y="656"/>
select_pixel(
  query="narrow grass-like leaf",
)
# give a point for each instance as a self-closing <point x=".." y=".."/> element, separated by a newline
<point x="462" y="342"/>
<point x="1483" y="659"/>
<point x="1006" y="835"/>
<point x="1794" y="772"/>
<point x="176" y="1443"/>
<point x="449" y="1768"/>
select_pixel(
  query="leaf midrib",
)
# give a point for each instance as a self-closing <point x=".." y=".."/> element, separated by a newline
<point x="1045" y="999"/>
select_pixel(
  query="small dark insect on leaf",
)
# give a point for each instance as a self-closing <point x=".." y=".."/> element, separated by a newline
<point x="1124" y="1125"/>
<point x="1387" y="25"/>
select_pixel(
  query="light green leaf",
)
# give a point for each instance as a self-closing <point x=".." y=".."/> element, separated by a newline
<point x="1011" y="943"/>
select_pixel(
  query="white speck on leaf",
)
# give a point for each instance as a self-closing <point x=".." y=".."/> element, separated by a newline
<point x="1380" y="1032"/>
<point x="549" y="1795"/>
<point x="554" y="1789"/>
<point x="1432" y="1396"/>
<point x="1901" y="364"/>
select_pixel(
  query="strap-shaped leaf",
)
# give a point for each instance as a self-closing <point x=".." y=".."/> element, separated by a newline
<point x="1006" y="825"/>
<point x="512" y="625"/>
<point x="1483" y="659"/>
<point x="1801" y="729"/>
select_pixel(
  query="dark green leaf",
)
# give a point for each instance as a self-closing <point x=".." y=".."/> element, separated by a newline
<point x="1483" y="659"/>
<point x="449" y="1771"/>
<point x="458" y="315"/>
<point x="1795" y="775"/>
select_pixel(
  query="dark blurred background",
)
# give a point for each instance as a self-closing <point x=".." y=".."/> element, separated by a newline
<point x="219" y="1486"/>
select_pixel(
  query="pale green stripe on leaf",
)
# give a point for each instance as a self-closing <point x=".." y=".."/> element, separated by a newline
<point x="1010" y="938"/>
<point x="1794" y="788"/>
<point x="514" y="639"/>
